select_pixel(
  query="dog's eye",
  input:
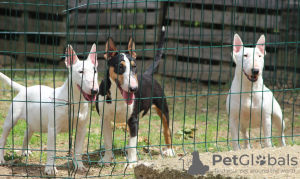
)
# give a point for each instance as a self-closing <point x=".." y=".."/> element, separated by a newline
<point x="95" y="71"/>
<point x="259" y="55"/>
<point x="133" y="69"/>
<point x="245" y="55"/>
<point x="80" y="71"/>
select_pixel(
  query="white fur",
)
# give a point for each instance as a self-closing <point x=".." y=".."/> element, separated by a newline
<point x="127" y="76"/>
<point x="49" y="118"/>
<point x="132" y="151"/>
<point x="241" y="102"/>
<point x="168" y="152"/>
<point x="117" y="111"/>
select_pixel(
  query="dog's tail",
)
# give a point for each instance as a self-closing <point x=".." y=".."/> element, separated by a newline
<point x="11" y="83"/>
<point x="158" y="55"/>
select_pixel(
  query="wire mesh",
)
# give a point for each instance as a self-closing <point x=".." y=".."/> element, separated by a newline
<point x="195" y="74"/>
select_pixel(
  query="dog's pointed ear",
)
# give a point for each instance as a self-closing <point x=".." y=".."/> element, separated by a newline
<point x="93" y="55"/>
<point x="109" y="47"/>
<point x="233" y="58"/>
<point x="261" y="44"/>
<point x="237" y="44"/>
<point x="71" y="57"/>
<point x="131" y="47"/>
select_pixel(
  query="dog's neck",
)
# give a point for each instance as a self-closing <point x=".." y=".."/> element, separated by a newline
<point x="114" y="90"/>
<point x="70" y="92"/>
<point x="247" y="85"/>
<point x="109" y="88"/>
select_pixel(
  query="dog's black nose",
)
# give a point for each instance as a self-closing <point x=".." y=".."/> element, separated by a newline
<point x="94" y="91"/>
<point x="255" y="71"/>
<point x="133" y="88"/>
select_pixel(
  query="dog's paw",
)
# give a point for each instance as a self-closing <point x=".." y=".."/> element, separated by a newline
<point x="2" y="161"/>
<point x="105" y="161"/>
<point x="50" y="170"/>
<point x="130" y="165"/>
<point x="79" y="167"/>
<point x="26" y="153"/>
<point x="168" y="152"/>
<point x="82" y="169"/>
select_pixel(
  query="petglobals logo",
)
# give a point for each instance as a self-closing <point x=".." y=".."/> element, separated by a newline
<point x="255" y="160"/>
<point x="196" y="167"/>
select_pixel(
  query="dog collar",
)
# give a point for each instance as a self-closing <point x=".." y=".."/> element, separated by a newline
<point x="66" y="102"/>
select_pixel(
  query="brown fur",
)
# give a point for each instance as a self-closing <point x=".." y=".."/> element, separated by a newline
<point x="115" y="76"/>
<point x="132" y="63"/>
<point x="123" y="63"/>
<point x="135" y="76"/>
<point x="131" y="47"/>
<point x="167" y="133"/>
<point x="111" y="47"/>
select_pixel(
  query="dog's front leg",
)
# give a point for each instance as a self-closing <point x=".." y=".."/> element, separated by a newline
<point x="80" y="136"/>
<point x="234" y="130"/>
<point x="278" y="122"/>
<point x="50" y="168"/>
<point x="245" y="136"/>
<point x="266" y="125"/>
<point x="28" y="134"/>
<point x="133" y="130"/>
<point x="107" y="135"/>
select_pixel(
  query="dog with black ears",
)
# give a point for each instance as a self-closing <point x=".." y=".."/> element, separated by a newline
<point x="117" y="93"/>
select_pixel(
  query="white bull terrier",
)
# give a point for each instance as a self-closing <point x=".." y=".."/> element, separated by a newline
<point x="42" y="114"/>
<point x="249" y="99"/>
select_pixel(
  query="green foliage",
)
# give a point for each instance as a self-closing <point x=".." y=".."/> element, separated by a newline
<point x="12" y="155"/>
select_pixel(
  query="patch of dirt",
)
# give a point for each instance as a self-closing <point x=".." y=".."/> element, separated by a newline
<point x="65" y="170"/>
<point x="280" y="163"/>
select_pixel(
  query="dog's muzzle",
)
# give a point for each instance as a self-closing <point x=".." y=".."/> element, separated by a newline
<point x="88" y="97"/>
<point x="252" y="78"/>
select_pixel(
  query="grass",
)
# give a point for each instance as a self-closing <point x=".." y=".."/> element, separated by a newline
<point x="198" y="121"/>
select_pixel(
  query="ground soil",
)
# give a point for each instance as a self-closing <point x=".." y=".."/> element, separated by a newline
<point x="173" y="167"/>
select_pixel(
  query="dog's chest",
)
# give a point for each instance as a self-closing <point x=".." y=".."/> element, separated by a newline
<point x="78" y="114"/>
<point x="117" y="111"/>
<point x="252" y="102"/>
<point x="251" y="108"/>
